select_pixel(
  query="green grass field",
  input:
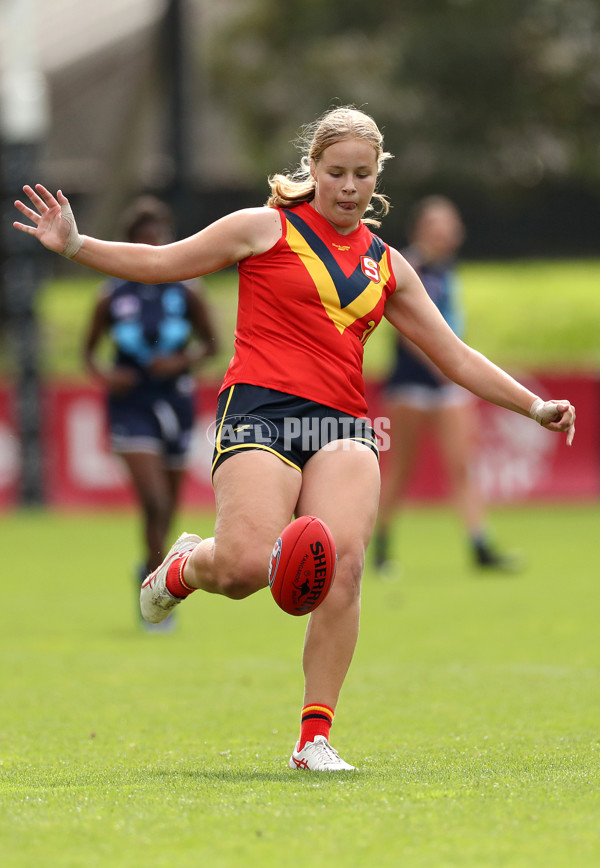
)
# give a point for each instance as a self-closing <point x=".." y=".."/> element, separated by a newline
<point x="523" y="315"/>
<point x="472" y="709"/>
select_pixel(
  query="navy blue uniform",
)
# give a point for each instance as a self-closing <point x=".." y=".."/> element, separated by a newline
<point x="156" y="415"/>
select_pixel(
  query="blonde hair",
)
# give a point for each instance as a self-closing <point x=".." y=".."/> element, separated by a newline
<point x="336" y="125"/>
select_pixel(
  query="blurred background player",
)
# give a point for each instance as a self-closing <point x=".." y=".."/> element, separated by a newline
<point x="149" y="385"/>
<point x="419" y="397"/>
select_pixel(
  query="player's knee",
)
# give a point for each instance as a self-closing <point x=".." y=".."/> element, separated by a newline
<point x="460" y="472"/>
<point x="347" y="581"/>
<point x="241" y="575"/>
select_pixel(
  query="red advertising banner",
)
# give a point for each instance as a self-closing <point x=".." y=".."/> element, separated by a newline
<point x="9" y="449"/>
<point x="517" y="460"/>
<point x="81" y="471"/>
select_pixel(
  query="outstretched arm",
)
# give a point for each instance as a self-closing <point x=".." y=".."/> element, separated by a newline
<point x="413" y="313"/>
<point x="228" y="240"/>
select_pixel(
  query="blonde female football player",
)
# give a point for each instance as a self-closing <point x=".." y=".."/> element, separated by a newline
<point x="313" y="283"/>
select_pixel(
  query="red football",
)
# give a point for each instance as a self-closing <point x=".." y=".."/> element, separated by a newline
<point x="302" y="565"/>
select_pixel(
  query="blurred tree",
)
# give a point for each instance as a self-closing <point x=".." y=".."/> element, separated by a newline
<point x="477" y="93"/>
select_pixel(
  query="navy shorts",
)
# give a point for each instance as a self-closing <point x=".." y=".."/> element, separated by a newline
<point x="157" y="424"/>
<point x="294" y="429"/>
<point x="411" y="371"/>
<point x="414" y="383"/>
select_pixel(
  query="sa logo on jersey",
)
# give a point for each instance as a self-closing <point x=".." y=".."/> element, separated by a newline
<point x="370" y="268"/>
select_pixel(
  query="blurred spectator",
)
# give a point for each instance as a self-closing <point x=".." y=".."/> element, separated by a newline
<point x="418" y="396"/>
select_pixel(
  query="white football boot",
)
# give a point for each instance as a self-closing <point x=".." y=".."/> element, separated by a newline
<point x="319" y="756"/>
<point x="156" y="602"/>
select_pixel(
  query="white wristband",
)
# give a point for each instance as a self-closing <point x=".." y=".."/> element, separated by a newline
<point x="74" y="239"/>
<point x="543" y="411"/>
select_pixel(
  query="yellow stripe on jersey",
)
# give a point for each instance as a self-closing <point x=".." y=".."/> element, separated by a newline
<point x="363" y="304"/>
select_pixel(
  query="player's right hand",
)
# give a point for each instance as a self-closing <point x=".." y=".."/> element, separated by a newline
<point x="53" y="221"/>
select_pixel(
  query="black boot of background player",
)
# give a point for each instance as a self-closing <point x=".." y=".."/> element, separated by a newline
<point x="487" y="558"/>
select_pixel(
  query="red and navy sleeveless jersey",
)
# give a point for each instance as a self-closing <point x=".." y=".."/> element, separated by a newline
<point x="306" y="308"/>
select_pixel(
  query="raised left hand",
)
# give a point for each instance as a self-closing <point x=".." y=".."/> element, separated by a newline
<point x="555" y="415"/>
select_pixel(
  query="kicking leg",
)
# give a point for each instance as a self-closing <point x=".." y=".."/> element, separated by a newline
<point x="255" y="495"/>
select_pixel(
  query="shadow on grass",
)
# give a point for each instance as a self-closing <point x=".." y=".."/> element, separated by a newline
<point x="234" y="776"/>
<point x="18" y="781"/>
